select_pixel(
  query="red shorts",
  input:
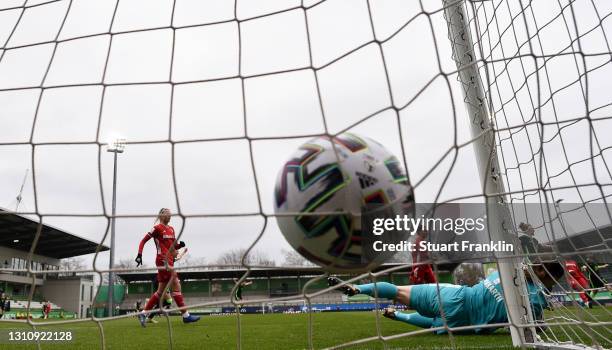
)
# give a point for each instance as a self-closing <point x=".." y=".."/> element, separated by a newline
<point x="164" y="275"/>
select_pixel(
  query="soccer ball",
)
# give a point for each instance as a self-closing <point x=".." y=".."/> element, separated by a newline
<point x="328" y="192"/>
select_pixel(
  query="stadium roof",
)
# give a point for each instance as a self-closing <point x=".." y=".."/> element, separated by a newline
<point x="200" y="274"/>
<point x="589" y="240"/>
<point x="18" y="232"/>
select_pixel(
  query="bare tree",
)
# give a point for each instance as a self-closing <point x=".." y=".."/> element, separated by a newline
<point x="72" y="264"/>
<point x="190" y="260"/>
<point x="293" y="258"/>
<point x="255" y="257"/>
<point x="126" y="264"/>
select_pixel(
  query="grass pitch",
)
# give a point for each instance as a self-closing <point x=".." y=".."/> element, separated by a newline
<point x="272" y="331"/>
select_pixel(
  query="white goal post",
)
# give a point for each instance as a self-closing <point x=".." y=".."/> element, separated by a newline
<point x="482" y="123"/>
<point x="498" y="215"/>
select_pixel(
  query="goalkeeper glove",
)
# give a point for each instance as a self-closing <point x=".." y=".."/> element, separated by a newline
<point x="138" y="260"/>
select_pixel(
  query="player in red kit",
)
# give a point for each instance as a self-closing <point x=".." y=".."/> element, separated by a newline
<point x="421" y="273"/>
<point x="166" y="245"/>
<point x="578" y="281"/>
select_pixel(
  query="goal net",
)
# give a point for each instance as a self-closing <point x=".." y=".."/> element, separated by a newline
<point x="504" y="103"/>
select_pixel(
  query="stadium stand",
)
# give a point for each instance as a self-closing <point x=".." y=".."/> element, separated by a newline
<point x="70" y="295"/>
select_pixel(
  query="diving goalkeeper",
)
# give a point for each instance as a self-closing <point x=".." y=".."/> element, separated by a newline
<point x="480" y="304"/>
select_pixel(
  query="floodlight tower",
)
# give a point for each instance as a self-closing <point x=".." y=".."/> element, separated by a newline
<point x="116" y="146"/>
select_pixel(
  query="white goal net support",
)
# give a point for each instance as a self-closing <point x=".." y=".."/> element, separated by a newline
<point x="517" y="91"/>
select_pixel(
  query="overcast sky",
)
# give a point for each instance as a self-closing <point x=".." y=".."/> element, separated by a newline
<point x="211" y="71"/>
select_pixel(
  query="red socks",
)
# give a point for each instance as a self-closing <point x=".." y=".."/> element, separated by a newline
<point x="153" y="301"/>
<point x="178" y="298"/>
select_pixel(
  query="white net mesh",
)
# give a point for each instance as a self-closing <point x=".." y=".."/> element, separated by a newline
<point x="212" y="98"/>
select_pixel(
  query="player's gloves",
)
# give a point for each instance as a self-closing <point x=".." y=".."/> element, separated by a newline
<point x="389" y="312"/>
<point x="181" y="244"/>
<point x="138" y="260"/>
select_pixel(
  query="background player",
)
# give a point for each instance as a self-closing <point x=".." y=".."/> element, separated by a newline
<point x="238" y="295"/>
<point x="463" y="306"/>
<point x="421" y="272"/>
<point x="578" y="281"/>
<point x="165" y="242"/>
<point x="46" y="309"/>
<point x="528" y="241"/>
<point x="594" y="272"/>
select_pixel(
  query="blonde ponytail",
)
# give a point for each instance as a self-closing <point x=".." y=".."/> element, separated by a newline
<point x="158" y="215"/>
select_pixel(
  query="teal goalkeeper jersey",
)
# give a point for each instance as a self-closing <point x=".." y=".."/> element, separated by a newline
<point x="486" y="302"/>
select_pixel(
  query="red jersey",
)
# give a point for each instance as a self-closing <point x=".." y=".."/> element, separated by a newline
<point x="164" y="239"/>
<point x="421" y="273"/>
<point x="574" y="270"/>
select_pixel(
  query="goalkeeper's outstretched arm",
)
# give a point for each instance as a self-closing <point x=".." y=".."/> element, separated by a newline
<point x="413" y="318"/>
